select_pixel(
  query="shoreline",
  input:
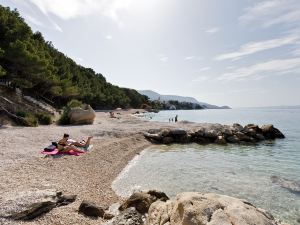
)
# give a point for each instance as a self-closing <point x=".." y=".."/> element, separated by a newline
<point x="90" y="176"/>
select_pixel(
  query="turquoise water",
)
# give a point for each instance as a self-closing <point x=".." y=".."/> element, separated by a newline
<point x="237" y="170"/>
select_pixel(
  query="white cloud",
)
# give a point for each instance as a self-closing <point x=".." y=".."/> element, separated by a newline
<point x="163" y="58"/>
<point x="261" y="70"/>
<point x="37" y="22"/>
<point x="201" y="78"/>
<point x="254" y="47"/>
<point x="273" y="12"/>
<point x="189" y="58"/>
<point x="212" y="30"/>
<point x="108" y="37"/>
<point x="204" y="69"/>
<point x="296" y="52"/>
<point x="68" y="9"/>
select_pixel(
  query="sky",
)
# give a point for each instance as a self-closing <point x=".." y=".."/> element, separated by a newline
<point x="237" y="53"/>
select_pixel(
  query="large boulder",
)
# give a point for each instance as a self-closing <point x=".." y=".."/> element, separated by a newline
<point x="141" y="201"/>
<point x="85" y="115"/>
<point x="207" y="209"/>
<point x="30" y="204"/>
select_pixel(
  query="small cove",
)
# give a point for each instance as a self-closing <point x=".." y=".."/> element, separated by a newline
<point x="241" y="171"/>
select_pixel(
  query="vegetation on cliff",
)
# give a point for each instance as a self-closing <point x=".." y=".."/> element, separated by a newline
<point x="34" y="65"/>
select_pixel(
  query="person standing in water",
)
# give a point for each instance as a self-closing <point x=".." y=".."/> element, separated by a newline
<point x="176" y="118"/>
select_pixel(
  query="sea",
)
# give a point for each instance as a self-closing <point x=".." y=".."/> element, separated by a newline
<point x="242" y="171"/>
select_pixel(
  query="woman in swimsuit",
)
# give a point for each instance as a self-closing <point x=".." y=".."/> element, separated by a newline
<point x="65" y="146"/>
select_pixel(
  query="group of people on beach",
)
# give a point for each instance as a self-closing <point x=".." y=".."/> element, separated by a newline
<point x="66" y="144"/>
<point x="175" y="119"/>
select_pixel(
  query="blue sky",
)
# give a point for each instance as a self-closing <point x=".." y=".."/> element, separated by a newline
<point x="237" y="53"/>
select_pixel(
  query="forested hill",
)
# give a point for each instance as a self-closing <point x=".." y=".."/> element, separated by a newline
<point x="35" y="66"/>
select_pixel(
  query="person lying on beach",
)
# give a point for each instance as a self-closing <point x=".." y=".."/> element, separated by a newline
<point x="66" y="144"/>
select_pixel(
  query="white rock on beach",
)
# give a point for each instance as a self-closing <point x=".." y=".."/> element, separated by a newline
<point x="207" y="209"/>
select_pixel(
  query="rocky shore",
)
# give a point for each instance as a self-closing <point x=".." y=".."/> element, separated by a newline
<point x="68" y="190"/>
<point x="216" y="133"/>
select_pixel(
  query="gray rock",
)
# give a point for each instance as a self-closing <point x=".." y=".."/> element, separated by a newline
<point x="141" y="201"/>
<point x="237" y="127"/>
<point x="178" y="132"/>
<point x="167" y="140"/>
<point x="212" y="134"/>
<point x="30" y="204"/>
<point x="270" y="132"/>
<point x="287" y="184"/>
<point x="91" y="209"/>
<point x="233" y="139"/>
<point x="129" y="216"/>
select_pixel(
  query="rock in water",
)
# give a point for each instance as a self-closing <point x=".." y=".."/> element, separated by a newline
<point x="207" y="209"/>
<point x="30" y="204"/>
<point x="82" y="115"/>
<point x="270" y="132"/>
<point x="287" y="184"/>
<point x="90" y="209"/>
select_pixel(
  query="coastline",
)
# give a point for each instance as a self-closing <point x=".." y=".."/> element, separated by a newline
<point x="116" y="142"/>
<point x="90" y="176"/>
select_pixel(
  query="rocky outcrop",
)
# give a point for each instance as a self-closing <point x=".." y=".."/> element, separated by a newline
<point x="290" y="185"/>
<point x="30" y="204"/>
<point x="80" y="115"/>
<point x="216" y="133"/>
<point x="141" y="201"/>
<point x="207" y="209"/>
<point x="91" y="209"/>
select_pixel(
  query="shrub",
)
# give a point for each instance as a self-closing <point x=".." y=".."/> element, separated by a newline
<point x="31" y="120"/>
<point x="64" y="118"/>
<point x="74" y="103"/>
<point x="21" y="113"/>
<point x="44" y="118"/>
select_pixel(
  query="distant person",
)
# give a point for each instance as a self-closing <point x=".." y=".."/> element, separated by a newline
<point x="176" y="118"/>
<point x="112" y="115"/>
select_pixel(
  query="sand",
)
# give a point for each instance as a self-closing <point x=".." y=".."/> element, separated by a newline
<point x="116" y="142"/>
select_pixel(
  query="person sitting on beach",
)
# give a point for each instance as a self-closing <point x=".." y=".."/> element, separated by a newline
<point x="112" y="115"/>
<point x="66" y="144"/>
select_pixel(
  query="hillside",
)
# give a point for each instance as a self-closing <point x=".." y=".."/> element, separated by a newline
<point x="156" y="96"/>
<point x="34" y="65"/>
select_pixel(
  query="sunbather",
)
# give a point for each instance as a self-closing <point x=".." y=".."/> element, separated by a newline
<point x="66" y="144"/>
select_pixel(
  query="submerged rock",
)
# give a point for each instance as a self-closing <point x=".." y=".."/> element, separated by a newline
<point x="207" y="209"/>
<point x="287" y="184"/>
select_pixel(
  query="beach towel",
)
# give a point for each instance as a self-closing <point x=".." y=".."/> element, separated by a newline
<point x="57" y="152"/>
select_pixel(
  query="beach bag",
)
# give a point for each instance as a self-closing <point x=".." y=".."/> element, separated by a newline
<point x="50" y="148"/>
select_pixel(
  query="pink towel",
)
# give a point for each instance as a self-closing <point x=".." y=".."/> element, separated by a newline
<point x="57" y="152"/>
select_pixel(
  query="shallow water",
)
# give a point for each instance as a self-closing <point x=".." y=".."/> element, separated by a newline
<point x="236" y="170"/>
